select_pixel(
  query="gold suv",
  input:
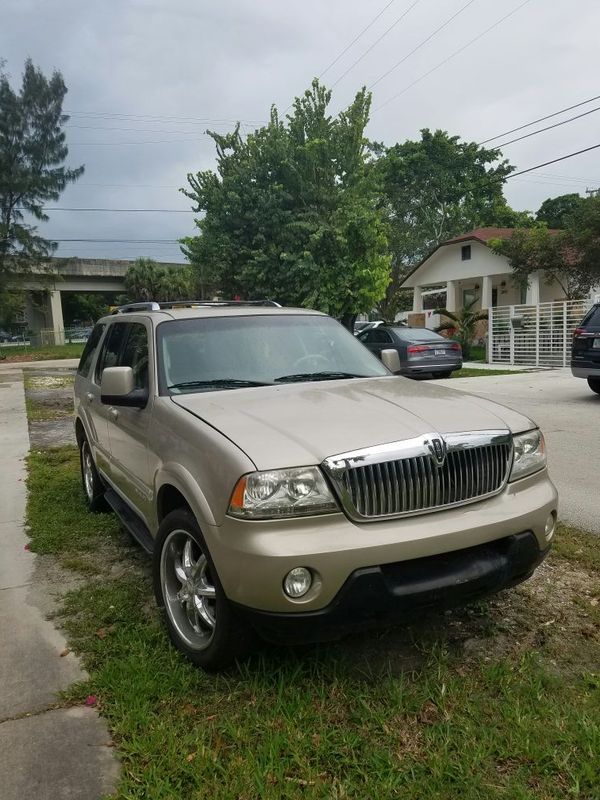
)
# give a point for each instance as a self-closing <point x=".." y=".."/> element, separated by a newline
<point x="287" y="483"/>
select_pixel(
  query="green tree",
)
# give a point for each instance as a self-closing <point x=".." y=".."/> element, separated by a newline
<point x="555" y="212"/>
<point x="32" y="171"/>
<point x="146" y="280"/>
<point x="567" y="258"/>
<point x="462" y="325"/>
<point x="291" y="212"/>
<point x="433" y="189"/>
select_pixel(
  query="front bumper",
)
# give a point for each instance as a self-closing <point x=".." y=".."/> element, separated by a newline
<point x="378" y="595"/>
<point x="253" y="557"/>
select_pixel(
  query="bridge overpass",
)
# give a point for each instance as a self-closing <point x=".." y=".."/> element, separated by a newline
<point x="45" y="288"/>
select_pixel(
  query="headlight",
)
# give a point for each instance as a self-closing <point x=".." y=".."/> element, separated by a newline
<point x="529" y="454"/>
<point x="282" y="493"/>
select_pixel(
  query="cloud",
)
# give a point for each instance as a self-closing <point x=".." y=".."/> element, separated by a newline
<point x="163" y="70"/>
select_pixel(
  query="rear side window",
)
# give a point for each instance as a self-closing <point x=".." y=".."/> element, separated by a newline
<point x="90" y="349"/>
<point x="111" y="349"/>
<point x="380" y="337"/>
<point x="135" y="354"/>
<point x="593" y="318"/>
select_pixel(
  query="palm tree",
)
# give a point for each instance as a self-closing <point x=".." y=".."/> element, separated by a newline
<point x="462" y="324"/>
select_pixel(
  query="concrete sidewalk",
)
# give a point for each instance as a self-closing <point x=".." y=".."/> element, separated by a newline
<point x="46" y="753"/>
<point x="568" y="413"/>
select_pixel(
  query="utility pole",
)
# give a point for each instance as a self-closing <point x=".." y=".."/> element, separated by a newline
<point x="592" y="192"/>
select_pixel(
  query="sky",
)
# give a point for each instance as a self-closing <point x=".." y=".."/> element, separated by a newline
<point x="147" y="78"/>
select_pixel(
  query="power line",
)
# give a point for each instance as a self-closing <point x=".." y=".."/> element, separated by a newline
<point x="121" y="241"/>
<point x="554" y="161"/>
<point x="376" y="42"/>
<point x="541" y="119"/>
<point x="356" y="38"/>
<point x="548" y="128"/>
<point x="421" y="44"/>
<point x="156" y="141"/>
<point x="136" y="130"/>
<point x="453" y="55"/>
<point x="120" y="210"/>
<point x="116" y="115"/>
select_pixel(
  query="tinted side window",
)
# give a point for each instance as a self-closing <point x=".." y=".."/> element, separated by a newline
<point x="593" y="318"/>
<point x="111" y="349"/>
<point x="135" y="354"/>
<point x="89" y="350"/>
<point x="381" y="337"/>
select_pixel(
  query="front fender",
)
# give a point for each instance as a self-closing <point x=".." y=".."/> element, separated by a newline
<point x="174" y="474"/>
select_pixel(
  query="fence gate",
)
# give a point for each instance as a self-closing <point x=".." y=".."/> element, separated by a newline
<point x="534" y="335"/>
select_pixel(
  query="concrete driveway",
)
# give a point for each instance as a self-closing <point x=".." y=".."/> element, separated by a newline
<point x="568" y="412"/>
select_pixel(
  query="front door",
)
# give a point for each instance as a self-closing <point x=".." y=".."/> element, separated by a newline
<point x="129" y="427"/>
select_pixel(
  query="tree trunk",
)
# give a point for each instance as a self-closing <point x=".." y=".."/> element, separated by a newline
<point x="348" y="321"/>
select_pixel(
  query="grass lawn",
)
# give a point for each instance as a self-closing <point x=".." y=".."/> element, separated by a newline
<point x="43" y="353"/>
<point x="501" y="700"/>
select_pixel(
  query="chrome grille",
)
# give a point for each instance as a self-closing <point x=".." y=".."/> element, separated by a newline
<point x="406" y="477"/>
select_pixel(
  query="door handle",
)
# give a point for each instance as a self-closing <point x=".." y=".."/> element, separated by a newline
<point x="90" y="397"/>
<point x="114" y="413"/>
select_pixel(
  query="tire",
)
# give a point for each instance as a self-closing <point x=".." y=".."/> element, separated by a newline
<point x="93" y="488"/>
<point x="594" y="384"/>
<point x="200" y="620"/>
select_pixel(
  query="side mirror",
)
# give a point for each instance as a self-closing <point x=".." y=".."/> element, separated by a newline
<point x="391" y="360"/>
<point x="117" y="388"/>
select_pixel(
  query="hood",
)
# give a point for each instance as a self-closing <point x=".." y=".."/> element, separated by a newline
<point x="299" y="424"/>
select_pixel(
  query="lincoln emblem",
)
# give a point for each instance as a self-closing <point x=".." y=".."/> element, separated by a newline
<point x="437" y="448"/>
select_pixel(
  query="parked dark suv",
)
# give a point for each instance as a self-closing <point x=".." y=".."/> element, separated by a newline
<point x="585" y="352"/>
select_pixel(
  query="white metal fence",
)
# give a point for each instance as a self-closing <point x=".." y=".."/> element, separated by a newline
<point x="534" y="335"/>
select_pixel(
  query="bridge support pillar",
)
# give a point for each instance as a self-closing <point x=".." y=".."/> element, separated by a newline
<point x="57" y="325"/>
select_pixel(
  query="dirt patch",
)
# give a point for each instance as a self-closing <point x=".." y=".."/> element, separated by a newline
<point x="51" y="433"/>
<point x="553" y="613"/>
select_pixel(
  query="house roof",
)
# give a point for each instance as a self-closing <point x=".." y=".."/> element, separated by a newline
<point x="482" y="235"/>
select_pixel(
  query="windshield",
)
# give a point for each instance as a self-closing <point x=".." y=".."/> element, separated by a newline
<point x="206" y="354"/>
<point x="417" y="334"/>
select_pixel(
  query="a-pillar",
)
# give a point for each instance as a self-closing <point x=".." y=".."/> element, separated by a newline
<point x="533" y="289"/>
<point x="451" y="295"/>
<point x="56" y="318"/>
<point x="417" y="299"/>
<point x="486" y="292"/>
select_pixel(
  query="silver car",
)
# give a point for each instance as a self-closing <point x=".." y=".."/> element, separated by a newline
<point x="288" y="484"/>
<point x="421" y="351"/>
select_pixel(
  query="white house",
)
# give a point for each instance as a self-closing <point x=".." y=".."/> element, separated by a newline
<point x="469" y="269"/>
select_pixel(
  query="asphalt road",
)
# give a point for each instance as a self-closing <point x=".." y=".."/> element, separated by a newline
<point x="568" y="413"/>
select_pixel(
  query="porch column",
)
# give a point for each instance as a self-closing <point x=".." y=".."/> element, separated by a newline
<point x="451" y="295"/>
<point x="56" y="317"/>
<point x="417" y="299"/>
<point x="533" y="289"/>
<point x="486" y="292"/>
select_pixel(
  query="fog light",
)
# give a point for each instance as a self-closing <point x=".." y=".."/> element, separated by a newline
<point x="549" y="529"/>
<point x="297" y="582"/>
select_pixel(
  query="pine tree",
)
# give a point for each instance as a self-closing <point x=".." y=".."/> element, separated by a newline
<point x="32" y="171"/>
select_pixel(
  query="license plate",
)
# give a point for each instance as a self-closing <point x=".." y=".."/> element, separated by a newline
<point x="596" y="344"/>
<point x="443" y="352"/>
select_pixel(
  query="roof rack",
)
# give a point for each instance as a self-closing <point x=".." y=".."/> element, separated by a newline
<point x="130" y="307"/>
<point x="154" y="306"/>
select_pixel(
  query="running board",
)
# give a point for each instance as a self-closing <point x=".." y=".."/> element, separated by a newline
<point x="130" y="520"/>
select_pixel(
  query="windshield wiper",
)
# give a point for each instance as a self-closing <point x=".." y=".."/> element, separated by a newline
<point x="325" y="375"/>
<point x="217" y="383"/>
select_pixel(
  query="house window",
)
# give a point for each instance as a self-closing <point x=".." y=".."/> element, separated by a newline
<point x="465" y="252"/>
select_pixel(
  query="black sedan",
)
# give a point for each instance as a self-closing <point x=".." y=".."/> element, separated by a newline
<point x="585" y="352"/>
<point x="421" y="351"/>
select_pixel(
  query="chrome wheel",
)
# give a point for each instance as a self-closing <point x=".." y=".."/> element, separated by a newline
<point x="188" y="590"/>
<point x="87" y="468"/>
